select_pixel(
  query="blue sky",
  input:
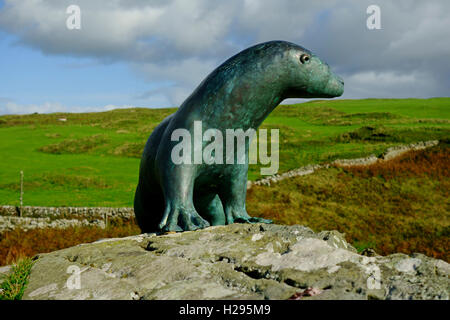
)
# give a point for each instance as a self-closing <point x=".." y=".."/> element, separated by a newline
<point x="35" y="78"/>
<point x="154" y="53"/>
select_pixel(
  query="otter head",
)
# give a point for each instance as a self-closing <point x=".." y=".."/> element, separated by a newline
<point x="310" y="77"/>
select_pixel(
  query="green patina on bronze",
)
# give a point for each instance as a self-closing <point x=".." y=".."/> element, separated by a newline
<point x="239" y="94"/>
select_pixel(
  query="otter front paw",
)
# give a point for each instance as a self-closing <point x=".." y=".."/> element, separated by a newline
<point x="179" y="218"/>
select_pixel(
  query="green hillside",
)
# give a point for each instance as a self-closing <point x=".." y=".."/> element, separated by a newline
<point x="92" y="159"/>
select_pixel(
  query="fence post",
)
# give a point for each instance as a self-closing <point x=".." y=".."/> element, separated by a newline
<point x="21" y="193"/>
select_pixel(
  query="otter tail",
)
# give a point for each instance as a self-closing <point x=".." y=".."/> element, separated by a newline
<point x="148" y="209"/>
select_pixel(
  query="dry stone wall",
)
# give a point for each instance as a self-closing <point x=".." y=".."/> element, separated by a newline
<point x="31" y="211"/>
<point x="30" y="217"/>
<point x="388" y="155"/>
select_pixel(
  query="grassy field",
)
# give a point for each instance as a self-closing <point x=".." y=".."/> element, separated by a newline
<point x="401" y="205"/>
<point x="92" y="159"/>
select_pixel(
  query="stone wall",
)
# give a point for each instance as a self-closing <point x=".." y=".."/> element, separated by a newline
<point x="59" y="217"/>
<point x="8" y="223"/>
<point x="61" y="212"/>
<point x="388" y="155"/>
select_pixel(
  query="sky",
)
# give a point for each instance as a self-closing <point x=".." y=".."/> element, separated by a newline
<point x="153" y="54"/>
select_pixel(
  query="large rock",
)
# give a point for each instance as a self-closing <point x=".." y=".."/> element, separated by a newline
<point x="4" y="271"/>
<point x="238" y="261"/>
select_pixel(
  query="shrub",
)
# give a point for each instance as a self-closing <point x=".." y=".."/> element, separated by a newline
<point x="13" y="287"/>
<point x="82" y="145"/>
<point x="400" y="205"/>
<point x="18" y="243"/>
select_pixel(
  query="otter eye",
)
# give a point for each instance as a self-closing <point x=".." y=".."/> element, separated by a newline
<point x="304" y="58"/>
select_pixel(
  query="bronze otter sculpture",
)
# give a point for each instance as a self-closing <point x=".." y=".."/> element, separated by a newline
<point x="239" y="94"/>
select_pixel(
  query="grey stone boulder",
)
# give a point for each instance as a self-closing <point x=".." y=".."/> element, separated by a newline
<point x="239" y="261"/>
<point x="4" y="271"/>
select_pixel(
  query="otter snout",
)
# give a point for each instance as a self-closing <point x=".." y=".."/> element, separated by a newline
<point x="334" y="87"/>
<point x="315" y="79"/>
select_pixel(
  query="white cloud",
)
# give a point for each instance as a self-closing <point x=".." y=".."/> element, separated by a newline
<point x="426" y="39"/>
<point x="14" y="108"/>
<point x="182" y="76"/>
<point x="178" y="42"/>
<point x="142" y="31"/>
<point x="11" y="107"/>
<point x="389" y="84"/>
